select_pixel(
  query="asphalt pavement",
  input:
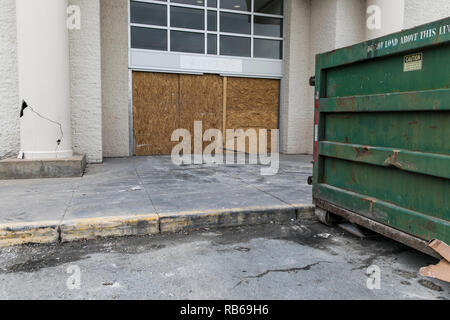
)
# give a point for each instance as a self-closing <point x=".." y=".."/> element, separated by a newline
<point x="295" y="260"/>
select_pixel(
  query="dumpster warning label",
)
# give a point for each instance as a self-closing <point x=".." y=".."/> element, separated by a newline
<point x="413" y="62"/>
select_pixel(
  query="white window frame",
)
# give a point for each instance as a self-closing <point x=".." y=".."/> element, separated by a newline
<point x="198" y="63"/>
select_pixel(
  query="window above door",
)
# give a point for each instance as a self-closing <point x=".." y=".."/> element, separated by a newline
<point x="219" y="30"/>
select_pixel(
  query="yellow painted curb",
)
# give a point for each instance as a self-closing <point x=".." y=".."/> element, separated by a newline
<point x="29" y="232"/>
<point x="178" y="221"/>
<point x="92" y="228"/>
<point x="147" y="224"/>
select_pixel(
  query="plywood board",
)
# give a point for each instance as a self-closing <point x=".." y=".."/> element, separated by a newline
<point x="224" y="108"/>
<point x="163" y="103"/>
<point x="252" y="103"/>
<point x="201" y="99"/>
<point x="155" y="112"/>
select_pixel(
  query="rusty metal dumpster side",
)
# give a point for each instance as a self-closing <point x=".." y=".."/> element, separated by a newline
<point x="382" y="133"/>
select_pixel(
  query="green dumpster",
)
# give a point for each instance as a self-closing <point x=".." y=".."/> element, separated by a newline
<point x="382" y="134"/>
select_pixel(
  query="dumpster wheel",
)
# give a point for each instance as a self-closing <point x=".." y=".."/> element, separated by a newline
<point x="326" y="217"/>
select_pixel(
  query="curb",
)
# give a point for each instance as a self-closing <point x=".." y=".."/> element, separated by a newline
<point x="178" y="221"/>
<point x="93" y="228"/>
<point x="148" y="224"/>
<point x="22" y="233"/>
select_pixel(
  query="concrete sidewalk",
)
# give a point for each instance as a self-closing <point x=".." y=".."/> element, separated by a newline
<point x="144" y="195"/>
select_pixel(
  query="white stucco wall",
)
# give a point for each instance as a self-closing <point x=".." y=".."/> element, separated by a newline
<point x="419" y="12"/>
<point x="99" y="69"/>
<point x="312" y="27"/>
<point x="351" y="22"/>
<point x="9" y="96"/>
<point x="323" y="26"/>
<point x="114" y="19"/>
<point x="391" y="17"/>
<point x="335" y="24"/>
<point x="86" y="87"/>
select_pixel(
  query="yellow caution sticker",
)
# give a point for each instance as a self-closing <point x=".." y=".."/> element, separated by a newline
<point x="413" y="62"/>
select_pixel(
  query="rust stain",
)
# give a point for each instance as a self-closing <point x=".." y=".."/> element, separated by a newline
<point x="333" y="166"/>
<point x="345" y="102"/>
<point x="412" y="122"/>
<point x="371" y="201"/>
<point x="406" y="137"/>
<point x="433" y="127"/>
<point x="352" y="102"/>
<point x="352" y="175"/>
<point x="436" y="104"/>
<point x="362" y="152"/>
<point x="431" y="226"/>
<point x="392" y="161"/>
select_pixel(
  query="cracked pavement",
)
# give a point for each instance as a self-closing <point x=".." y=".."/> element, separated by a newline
<point x="273" y="261"/>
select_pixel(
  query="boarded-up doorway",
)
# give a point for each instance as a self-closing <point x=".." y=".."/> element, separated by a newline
<point x="252" y="104"/>
<point x="164" y="102"/>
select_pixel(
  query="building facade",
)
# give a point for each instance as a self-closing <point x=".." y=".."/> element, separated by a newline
<point x="128" y="73"/>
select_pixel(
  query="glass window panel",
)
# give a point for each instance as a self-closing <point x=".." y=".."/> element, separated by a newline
<point x="191" y="2"/>
<point x="148" y="13"/>
<point x="263" y="48"/>
<point x="271" y="27"/>
<point x="187" y="42"/>
<point x="269" y="6"/>
<point x="187" y="18"/>
<point x="212" y="44"/>
<point x="146" y="38"/>
<point x="235" y="46"/>
<point x="212" y="21"/>
<point x="241" y="5"/>
<point x="235" y="23"/>
<point x="212" y="3"/>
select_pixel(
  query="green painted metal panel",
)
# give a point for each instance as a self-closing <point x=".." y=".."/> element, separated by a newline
<point x="410" y="221"/>
<point x="415" y="131"/>
<point x="386" y="75"/>
<point x="383" y="134"/>
<point x="405" y="189"/>
<point x="402" y="42"/>
<point x="419" y="162"/>
<point x="399" y="101"/>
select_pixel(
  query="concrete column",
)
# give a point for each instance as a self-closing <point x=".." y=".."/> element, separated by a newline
<point x="43" y="63"/>
<point x="391" y="15"/>
<point x="115" y="82"/>
<point x="297" y="110"/>
<point x="86" y="80"/>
